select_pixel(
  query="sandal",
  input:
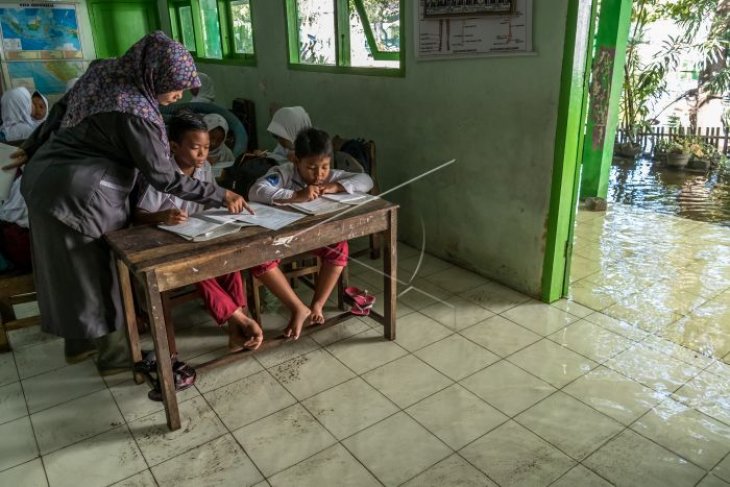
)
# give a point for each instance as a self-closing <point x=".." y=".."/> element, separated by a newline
<point x="360" y="300"/>
<point x="183" y="373"/>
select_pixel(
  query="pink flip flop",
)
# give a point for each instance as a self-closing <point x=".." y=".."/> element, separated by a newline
<point x="360" y="300"/>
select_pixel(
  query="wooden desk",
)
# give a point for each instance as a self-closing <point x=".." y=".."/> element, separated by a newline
<point x="162" y="261"/>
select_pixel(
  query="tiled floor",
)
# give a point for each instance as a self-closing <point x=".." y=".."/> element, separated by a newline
<point x="483" y="387"/>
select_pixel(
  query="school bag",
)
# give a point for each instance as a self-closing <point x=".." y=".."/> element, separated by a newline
<point x="360" y="150"/>
<point x="245" y="172"/>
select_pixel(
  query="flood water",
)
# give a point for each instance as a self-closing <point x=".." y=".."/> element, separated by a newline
<point x="697" y="196"/>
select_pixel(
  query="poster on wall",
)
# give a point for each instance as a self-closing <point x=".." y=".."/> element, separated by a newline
<point x="448" y="29"/>
<point x="41" y="46"/>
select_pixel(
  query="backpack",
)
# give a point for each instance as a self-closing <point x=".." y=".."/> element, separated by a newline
<point x="360" y="150"/>
<point x="245" y="172"/>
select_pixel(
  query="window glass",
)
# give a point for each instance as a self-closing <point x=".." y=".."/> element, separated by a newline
<point x="316" y="22"/>
<point x="186" y="27"/>
<point x="211" y="30"/>
<point x="242" y="29"/>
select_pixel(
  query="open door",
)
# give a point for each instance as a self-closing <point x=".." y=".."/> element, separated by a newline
<point x="116" y="25"/>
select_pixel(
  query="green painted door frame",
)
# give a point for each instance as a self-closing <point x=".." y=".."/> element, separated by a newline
<point x="612" y="36"/>
<point x="568" y="147"/>
<point x="117" y="24"/>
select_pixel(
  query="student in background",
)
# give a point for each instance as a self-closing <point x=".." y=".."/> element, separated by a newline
<point x="306" y="179"/>
<point x="224" y="296"/>
<point x="22" y="113"/>
<point x="286" y="123"/>
<point x="206" y="92"/>
<point x="220" y="155"/>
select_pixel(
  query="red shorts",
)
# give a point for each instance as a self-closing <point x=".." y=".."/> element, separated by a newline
<point x="223" y="295"/>
<point x="336" y="255"/>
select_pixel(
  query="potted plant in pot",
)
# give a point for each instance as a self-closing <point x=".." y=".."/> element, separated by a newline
<point x="702" y="155"/>
<point x="679" y="152"/>
<point x="661" y="149"/>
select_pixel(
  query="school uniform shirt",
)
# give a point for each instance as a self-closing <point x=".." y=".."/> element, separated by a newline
<point x="281" y="182"/>
<point x="152" y="200"/>
<point x="14" y="209"/>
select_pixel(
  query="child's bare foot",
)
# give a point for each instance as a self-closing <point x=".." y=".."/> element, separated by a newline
<point x="317" y="316"/>
<point x="244" y="332"/>
<point x="296" y="322"/>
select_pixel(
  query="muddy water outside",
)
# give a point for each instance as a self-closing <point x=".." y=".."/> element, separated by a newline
<point x="697" y="196"/>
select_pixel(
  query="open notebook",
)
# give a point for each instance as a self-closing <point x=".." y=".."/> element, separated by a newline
<point x="331" y="203"/>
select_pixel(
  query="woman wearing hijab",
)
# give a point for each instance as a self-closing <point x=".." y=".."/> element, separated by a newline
<point x="286" y="123"/>
<point x="108" y="128"/>
<point x="22" y="113"/>
<point x="206" y="92"/>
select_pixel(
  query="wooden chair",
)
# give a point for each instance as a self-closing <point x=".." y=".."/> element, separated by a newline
<point x="15" y="288"/>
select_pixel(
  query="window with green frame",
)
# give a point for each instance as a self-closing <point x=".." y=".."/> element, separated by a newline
<point x="346" y="33"/>
<point x="216" y="30"/>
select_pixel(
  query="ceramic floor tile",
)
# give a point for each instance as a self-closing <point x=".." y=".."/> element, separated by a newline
<point x="413" y="267"/>
<point x="495" y="297"/>
<point x="200" y="339"/>
<point x="12" y="402"/>
<point x="712" y="481"/>
<point x="630" y="460"/>
<point x="199" y="424"/>
<point x="457" y="280"/>
<point x="643" y="315"/>
<point x="679" y="352"/>
<point x="508" y="388"/>
<point x="619" y="327"/>
<point x="263" y="396"/>
<point x="342" y="331"/>
<point x="540" y="318"/>
<point x="615" y="395"/>
<point x="582" y="477"/>
<point x="284" y="439"/>
<point x="397" y="449"/>
<point x="19" y="444"/>
<point x="590" y="294"/>
<point x="456" y="416"/>
<point x="30" y="336"/>
<point x="218" y="463"/>
<point x="581" y="267"/>
<point x="453" y="471"/>
<point x="592" y="341"/>
<point x="47" y="390"/>
<point x="457" y="313"/>
<point x="686" y="432"/>
<point x="366" y="351"/>
<point x="722" y="469"/>
<point x="40" y="358"/>
<point x="223" y="375"/>
<point x="676" y="300"/>
<point x="292" y="349"/>
<point x="552" y="363"/>
<point x="415" y="331"/>
<point x="401" y="309"/>
<point x="8" y="371"/>
<point x="62" y="425"/>
<point x="29" y="474"/>
<point x="310" y="374"/>
<point x="653" y="369"/>
<point x="705" y="335"/>
<point x="134" y="403"/>
<point x="512" y="456"/>
<point x="96" y="462"/>
<point x="333" y="463"/>
<point x="569" y="424"/>
<point x="501" y="335"/>
<point x="573" y="308"/>
<point x="420" y="293"/>
<point x="456" y="357"/>
<point x="142" y="479"/>
<point x="341" y="409"/>
<point x="407" y="380"/>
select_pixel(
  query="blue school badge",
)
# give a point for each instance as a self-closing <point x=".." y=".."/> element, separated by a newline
<point x="273" y="179"/>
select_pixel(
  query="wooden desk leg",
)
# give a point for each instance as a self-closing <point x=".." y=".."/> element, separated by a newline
<point x="130" y="317"/>
<point x="390" y="259"/>
<point x="162" y="351"/>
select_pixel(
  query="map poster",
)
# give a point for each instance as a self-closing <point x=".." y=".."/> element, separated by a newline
<point x="460" y="37"/>
<point x="40" y="32"/>
<point x="48" y="77"/>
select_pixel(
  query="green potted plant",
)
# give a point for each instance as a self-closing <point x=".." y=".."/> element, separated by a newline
<point x="661" y="149"/>
<point x="679" y="152"/>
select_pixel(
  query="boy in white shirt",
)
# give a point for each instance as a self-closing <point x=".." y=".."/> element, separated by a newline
<point x="306" y="179"/>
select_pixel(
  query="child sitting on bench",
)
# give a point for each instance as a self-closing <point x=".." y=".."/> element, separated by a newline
<point x="306" y="179"/>
<point x="224" y="296"/>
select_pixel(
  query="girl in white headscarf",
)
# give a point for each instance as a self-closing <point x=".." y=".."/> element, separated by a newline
<point x="286" y="123"/>
<point x="22" y="112"/>
<point x="206" y="92"/>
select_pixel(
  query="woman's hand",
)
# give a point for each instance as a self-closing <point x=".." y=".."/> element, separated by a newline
<point x="235" y="203"/>
<point x="174" y="216"/>
<point x="18" y="158"/>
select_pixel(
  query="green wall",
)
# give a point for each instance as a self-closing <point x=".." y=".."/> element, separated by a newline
<point x="496" y="116"/>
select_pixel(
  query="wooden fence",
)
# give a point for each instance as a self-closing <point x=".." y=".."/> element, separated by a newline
<point x="716" y="136"/>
